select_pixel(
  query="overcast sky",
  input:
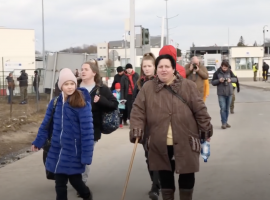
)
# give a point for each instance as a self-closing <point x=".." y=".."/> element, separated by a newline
<point x="77" y="22"/>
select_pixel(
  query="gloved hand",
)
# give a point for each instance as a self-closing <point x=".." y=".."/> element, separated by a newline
<point x="146" y="144"/>
<point x="136" y="133"/>
<point x="238" y="89"/>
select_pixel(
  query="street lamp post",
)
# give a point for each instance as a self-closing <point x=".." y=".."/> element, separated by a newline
<point x="167" y="22"/>
<point x="132" y="32"/>
<point x="264" y="38"/>
<point x="43" y="37"/>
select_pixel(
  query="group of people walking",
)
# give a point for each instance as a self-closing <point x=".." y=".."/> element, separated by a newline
<point x="165" y="106"/>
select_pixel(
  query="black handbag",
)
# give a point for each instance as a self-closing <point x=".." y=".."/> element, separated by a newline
<point x="46" y="147"/>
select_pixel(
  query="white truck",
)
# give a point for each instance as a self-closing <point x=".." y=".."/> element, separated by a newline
<point x="212" y="63"/>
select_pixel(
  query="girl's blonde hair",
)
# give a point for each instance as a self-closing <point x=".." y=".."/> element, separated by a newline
<point x="148" y="56"/>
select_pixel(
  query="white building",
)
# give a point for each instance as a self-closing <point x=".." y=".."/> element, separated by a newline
<point x="17" y="50"/>
<point x="102" y="54"/>
<point x="243" y="58"/>
<point x="122" y="56"/>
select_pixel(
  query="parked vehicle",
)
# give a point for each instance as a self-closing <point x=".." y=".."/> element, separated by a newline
<point x="211" y="70"/>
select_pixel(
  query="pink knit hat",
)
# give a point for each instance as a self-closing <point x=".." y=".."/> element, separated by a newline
<point x="66" y="75"/>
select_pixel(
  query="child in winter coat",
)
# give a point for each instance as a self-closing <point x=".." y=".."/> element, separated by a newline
<point x="72" y="139"/>
<point x="121" y="105"/>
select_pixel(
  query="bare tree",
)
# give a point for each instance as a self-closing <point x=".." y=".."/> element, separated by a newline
<point x="109" y="63"/>
<point x="89" y="49"/>
<point x="255" y="44"/>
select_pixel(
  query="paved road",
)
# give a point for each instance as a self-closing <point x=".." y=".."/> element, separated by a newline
<point x="238" y="167"/>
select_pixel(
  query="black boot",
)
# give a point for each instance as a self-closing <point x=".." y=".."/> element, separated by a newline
<point x="89" y="198"/>
<point x="186" y="194"/>
<point x="154" y="192"/>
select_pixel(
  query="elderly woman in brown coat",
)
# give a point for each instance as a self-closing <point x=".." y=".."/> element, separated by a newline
<point x="171" y="111"/>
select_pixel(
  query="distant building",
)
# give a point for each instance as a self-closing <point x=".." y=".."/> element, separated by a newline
<point x="241" y="59"/>
<point x="200" y="51"/>
<point x="116" y="50"/>
<point x="17" y="50"/>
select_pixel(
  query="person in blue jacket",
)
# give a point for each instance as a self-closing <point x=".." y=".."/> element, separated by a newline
<point x="121" y="105"/>
<point x="72" y="141"/>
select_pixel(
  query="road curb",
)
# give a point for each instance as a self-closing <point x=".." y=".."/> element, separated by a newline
<point x="256" y="87"/>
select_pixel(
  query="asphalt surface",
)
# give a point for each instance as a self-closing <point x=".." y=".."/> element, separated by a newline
<point x="237" y="169"/>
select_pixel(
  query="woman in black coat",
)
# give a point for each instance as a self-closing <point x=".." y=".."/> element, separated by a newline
<point x="148" y="73"/>
<point x="102" y="99"/>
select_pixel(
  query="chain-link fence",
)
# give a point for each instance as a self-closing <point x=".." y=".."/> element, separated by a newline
<point x="16" y="102"/>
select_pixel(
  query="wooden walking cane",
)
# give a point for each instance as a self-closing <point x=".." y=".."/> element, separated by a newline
<point x="130" y="167"/>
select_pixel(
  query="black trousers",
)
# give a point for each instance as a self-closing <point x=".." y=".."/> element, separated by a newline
<point x="122" y="115"/>
<point x="153" y="174"/>
<point x="185" y="181"/>
<point x="129" y="105"/>
<point x="61" y="181"/>
<point x="125" y="114"/>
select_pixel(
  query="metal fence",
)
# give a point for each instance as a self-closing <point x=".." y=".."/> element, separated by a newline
<point x="16" y="74"/>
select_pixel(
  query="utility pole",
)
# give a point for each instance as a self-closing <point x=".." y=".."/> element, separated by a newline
<point x="125" y="48"/>
<point x="132" y="32"/>
<point x="43" y="37"/>
<point x="264" y="39"/>
<point x="167" y="22"/>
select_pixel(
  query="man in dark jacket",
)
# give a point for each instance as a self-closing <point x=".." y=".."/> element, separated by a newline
<point x="265" y="71"/>
<point x="117" y="77"/>
<point x="36" y="83"/>
<point x="23" y="83"/>
<point x="128" y="81"/>
<point x="223" y="79"/>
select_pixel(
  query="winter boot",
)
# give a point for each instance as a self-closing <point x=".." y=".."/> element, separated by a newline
<point x="154" y="192"/>
<point x="167" y="194"/>
<point x="185" y="194"/>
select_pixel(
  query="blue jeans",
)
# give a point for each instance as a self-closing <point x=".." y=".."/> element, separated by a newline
<point x="10" y="96"/>
<point x="224" y="104"/>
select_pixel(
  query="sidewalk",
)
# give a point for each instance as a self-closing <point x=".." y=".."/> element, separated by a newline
<point x="256" y="85"/>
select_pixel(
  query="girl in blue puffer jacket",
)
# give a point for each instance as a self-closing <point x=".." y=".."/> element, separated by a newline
<point x="72" y="140"/>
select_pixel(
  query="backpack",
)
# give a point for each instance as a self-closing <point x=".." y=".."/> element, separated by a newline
<point x="110" y="120"/>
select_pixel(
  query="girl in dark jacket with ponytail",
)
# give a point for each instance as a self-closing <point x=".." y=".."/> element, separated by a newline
<point x="148" y="73"/>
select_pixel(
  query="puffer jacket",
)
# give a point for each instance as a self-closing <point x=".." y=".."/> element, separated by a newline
<point x="72" y="140"/>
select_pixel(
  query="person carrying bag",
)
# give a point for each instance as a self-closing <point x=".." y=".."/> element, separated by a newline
<point x="72" y="141"/>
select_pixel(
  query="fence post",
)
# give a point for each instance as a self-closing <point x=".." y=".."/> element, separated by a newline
<point x="3" y="76"/>
<point x="53" y="78"/>
<point x="37" y="89"/>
